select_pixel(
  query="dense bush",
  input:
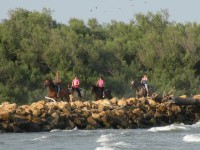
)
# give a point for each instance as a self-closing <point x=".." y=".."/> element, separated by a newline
<point x="33" y="47"/>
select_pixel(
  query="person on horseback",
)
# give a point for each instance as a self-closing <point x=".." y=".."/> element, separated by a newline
<point x="100" y="84"/>
<point x="144" y="81"/>
<point x="57" y="83"/>
<point x="75" y="85"/>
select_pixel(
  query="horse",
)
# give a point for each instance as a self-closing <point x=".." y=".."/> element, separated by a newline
<point x="107" y="94"/>
<point x="52" y="93"/>
<point x="98" y="94"/>
<point x="74" y="94"/>
<point x="140" y="89"/>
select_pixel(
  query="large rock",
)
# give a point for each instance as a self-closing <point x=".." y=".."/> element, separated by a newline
<point x="121" y="102"/>
<point x="93" y="122"/>
<point x="113" y="101"/>
<point x="8" y="107"/>
<point x="5" y="115"/>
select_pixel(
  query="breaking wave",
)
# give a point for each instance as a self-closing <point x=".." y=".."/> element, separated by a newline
<point x="172" y="127"/>
<point x="192" y="138"/>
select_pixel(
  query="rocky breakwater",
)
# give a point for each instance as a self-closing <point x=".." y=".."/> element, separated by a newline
<point x="102" y="114"/>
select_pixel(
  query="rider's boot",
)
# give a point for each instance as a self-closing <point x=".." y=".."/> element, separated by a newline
<point x="103" y="95"/>
<point x="58" y="95"/>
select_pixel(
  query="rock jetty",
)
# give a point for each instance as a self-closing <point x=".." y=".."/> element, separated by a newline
<point x="102" y="114"/>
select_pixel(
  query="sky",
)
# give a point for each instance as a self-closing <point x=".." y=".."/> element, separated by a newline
<point x="105" y="11"/>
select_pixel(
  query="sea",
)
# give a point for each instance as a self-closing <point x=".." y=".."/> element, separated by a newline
<point x="171" y="137"/>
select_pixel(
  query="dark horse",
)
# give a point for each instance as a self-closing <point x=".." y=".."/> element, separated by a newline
<point x="64" y="94"/>
<point x="74" y="94"/>
<point x="140" y="89"/>
<point x="98" y="94"/>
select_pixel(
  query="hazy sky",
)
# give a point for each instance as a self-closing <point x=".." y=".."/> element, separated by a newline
<point x="106" y="10"/>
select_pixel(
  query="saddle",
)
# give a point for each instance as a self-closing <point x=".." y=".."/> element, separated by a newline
<point x="143" y="87"/>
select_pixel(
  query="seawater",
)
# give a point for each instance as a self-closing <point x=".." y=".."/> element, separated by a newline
<point x="172" y="137"/>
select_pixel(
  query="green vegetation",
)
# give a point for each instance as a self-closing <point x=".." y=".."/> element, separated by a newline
<point x="33" y="46"/>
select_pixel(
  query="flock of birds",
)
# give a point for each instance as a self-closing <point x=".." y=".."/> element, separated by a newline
<point x="91" y="10"/>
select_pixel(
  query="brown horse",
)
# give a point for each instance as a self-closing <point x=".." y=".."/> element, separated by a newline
<point x="64" y="94"/>
<point x="140" y="89"/>
<point x="98" y="94"/>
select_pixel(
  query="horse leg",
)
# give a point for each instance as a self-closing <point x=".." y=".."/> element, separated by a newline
<point x="60" y="95"/>
<point x="63" y="96"/>
<point x="145" y="92"/>
<point x="55" y="96"/>
<point x="136" y="94"/>
<point x="67" y="98"/>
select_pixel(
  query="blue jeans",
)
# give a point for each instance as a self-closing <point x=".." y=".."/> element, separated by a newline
<point x="58" y="89"/>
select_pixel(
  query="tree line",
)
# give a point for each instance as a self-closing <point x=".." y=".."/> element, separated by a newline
<point x="33" y="47"/>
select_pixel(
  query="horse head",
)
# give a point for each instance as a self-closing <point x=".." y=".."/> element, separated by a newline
<point x="48" y="83"/>
<point x="136" y="84"/>
<point x="107" y="94"/>
<point x="94" y="88"/>
<point x="133" y="84"/>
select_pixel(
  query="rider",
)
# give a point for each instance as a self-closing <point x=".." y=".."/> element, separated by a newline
<point x="75" y="85"/>
<point x="57" y="83"/>
<point x="100" y="84"/>
<point x="144" y="81"/>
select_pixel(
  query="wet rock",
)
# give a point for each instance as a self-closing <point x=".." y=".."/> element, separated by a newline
<point x="93" y="122"/>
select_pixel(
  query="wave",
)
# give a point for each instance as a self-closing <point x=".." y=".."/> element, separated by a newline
<point x="112" y="146"/>
<point x="196" y="125"/>
<point x="172" y="127"/>
<point x="110" y="142"/>
<point x="192" y="138"/>
<point x="124" y="132"/>
<point x="104" y="148"/>
<point x="55" y="130"/>
<point x="42" y="138"/>
<point x="75" y="129"/>
<point x="124" y="144"/>
<point x="71" y="130"/>
<point x="105" y="138"/>
<point x="175" y="127"/>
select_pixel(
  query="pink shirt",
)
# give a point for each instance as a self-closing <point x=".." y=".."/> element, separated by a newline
<point x="100" y="83"/>
<point x="75" y="83"/>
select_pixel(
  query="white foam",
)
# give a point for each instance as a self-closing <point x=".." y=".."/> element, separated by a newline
<point x="43" y="138"/>
<point x="172" y="127"/>
<point x="55" y="130"/>
<point x="67" y="130"/>
<point x="123" y="132"/>
<point x="104" y="148"/>
<point x="122" y="144"/>
<point x="105" y="138"/>
<point x="75" y="129"/>
<point x="192" y="138"/>
<point x="196" y="125"/>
